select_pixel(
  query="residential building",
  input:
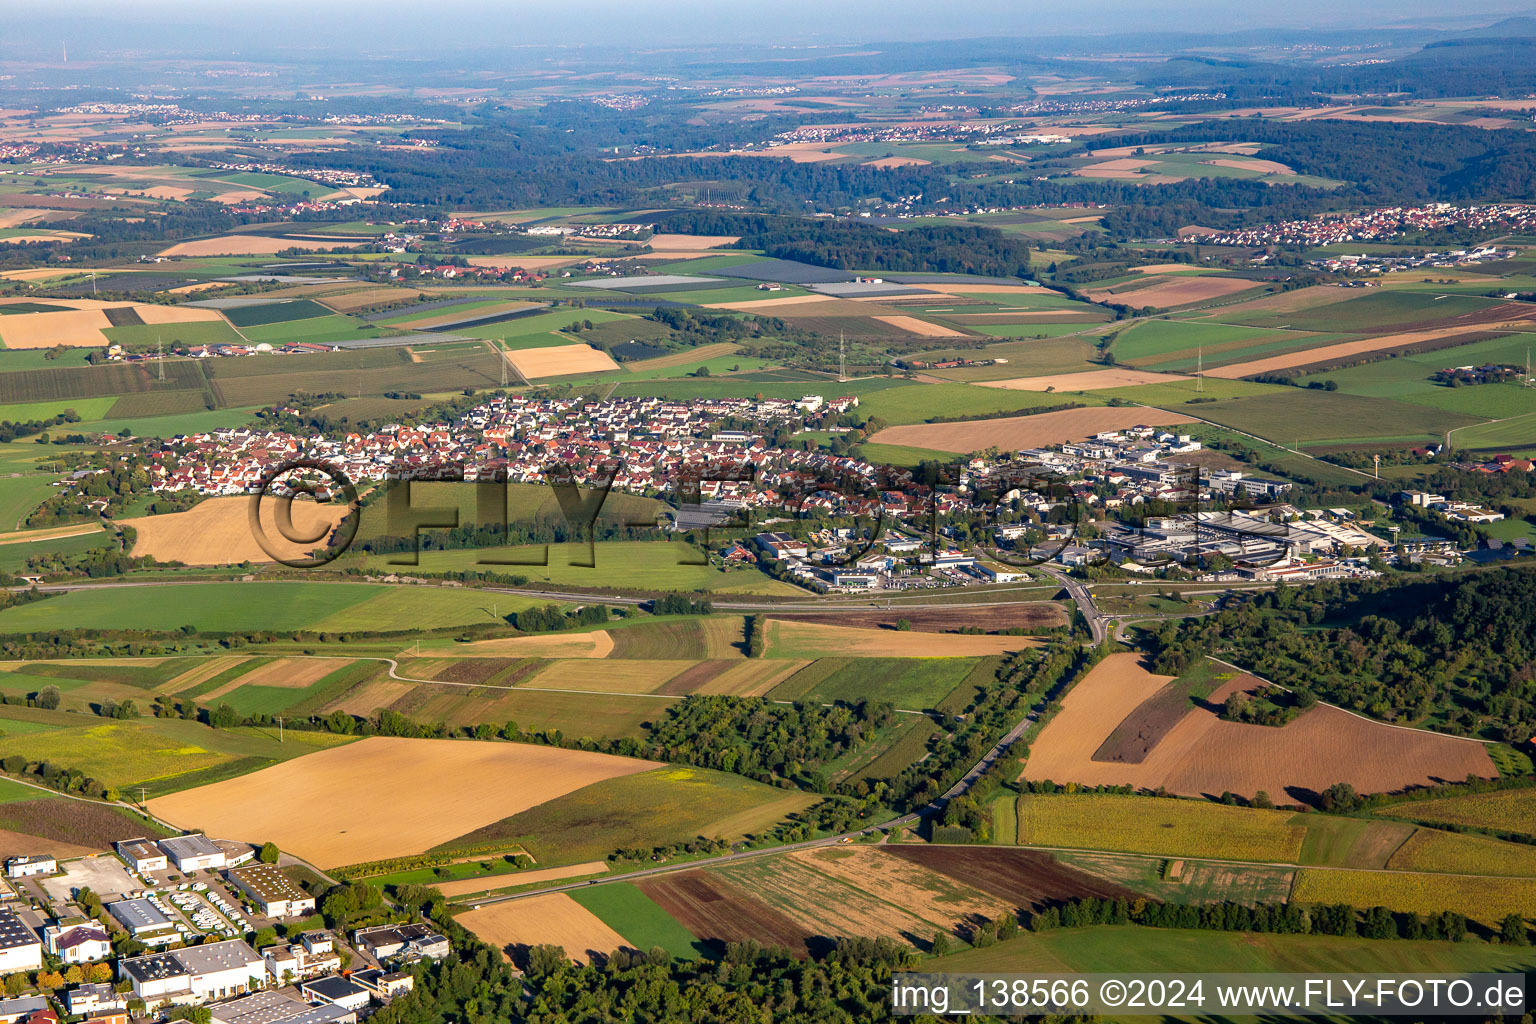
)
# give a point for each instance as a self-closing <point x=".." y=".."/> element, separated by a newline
<point x="297" y="962"/>
<point x="91" y="1000"/>
<point x="194" y="852"/>
<point x="273" y="892"/>
<point x="385" y="985"/>
<point x="20" y="948"/>
<point x="214" y="970"/>
<point x="13" y="1010"/>
<point x="26" y="867"/>
<point x="142" y="855"/>
<point x="404" y="941"/>
<point x="77" y="942"/>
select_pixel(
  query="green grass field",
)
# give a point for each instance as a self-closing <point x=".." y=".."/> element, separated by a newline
<point x="198" y="332"/>
<point x="634" y="915"/>
<point x="667" y="805"/>
<point x="1377" y="311"/>
<point x="1515" y="432"/>
<point x="1127" y="948"/>
<point x="1152" y="341"/>
<point x="630" y="565"/>
<point x="1310" y="415"/>
<point x="161" y="754"/>
<point x="257" y="699"/>
<point x="916" y="403"/>
<point x="912" y="683"/>
<point x="283" y="605"/>
<point x="14" y="792"/>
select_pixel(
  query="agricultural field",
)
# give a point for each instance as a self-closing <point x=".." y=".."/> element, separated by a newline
<point x="294" y="804"/>
<point x="794" y="639"/>
<point x="553" y="919"/>
<point x="1486" y="900"/>
<point x="654" y="806"/>
<point x="1196" y="753"/>
<point x="645" y="925"/>
<point x="908" y="683"/>
<point x="1152" y="825"/>
<point x="1307" y="415"/>
<point x="218" y="531"/>
<point x="1449" y="852"/>
<point x="33" y="821"/>
<point x="1040" y="430"/>
<point x="719" y="913"/>
<point x="606" y="565"/>
<point x="159" y="754"/>
<point x="1114" y="948"/>
<point x="1510" y="810"/>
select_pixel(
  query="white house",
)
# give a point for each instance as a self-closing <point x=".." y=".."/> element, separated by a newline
<point x="78" y="942"/>
<point x="20" y="949"/>
<point x="91" y="999"/>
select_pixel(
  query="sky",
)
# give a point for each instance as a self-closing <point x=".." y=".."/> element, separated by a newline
<point x="439" y="26"/>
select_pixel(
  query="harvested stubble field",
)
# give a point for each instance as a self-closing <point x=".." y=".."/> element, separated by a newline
<point x="720" y="913"/>
<point x="1087" y="380"/>
<point x="1482" y="899"/>
<point x="796" y="639"/>
<point x="1175" y="291"/>
<point x="252" y="245"/>
<point x="827" y="906"/>
<point x="929" y="894"/>
<point x="1015" y="615"/>
<point x="491" y="883"/>
<point x="198" y="674"/>
<point x="1509" y="810"/>
<point x="1024" y="879"/>
<point x="612" y="675"/>
<point x="553" y="919"/>
<point x="753" y="678"/>
<point x="1203" y="755"/>
<point x="297" y="804"/>
<point x="923" y="328"/>
<point x="559" y="360"/>
<point x="1014" y="432"/>
<point x="596" y="644"/>
<point x="1158" y="826"/>
<point x="218" y="532"/>
<point x="284" y="673"/>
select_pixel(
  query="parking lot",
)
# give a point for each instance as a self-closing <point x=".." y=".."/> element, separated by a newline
<point x="103" y="874"/>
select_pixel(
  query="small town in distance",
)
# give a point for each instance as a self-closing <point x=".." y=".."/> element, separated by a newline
<point x="648" y="512"/>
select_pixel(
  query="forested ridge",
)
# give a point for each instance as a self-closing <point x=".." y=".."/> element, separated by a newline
<point x="1456" y="653"/>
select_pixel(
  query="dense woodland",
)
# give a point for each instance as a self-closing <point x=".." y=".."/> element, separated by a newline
<point x="1453" y="652"/>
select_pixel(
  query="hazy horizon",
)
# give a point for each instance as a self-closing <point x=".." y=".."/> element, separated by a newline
<point x="93" y="29"/>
